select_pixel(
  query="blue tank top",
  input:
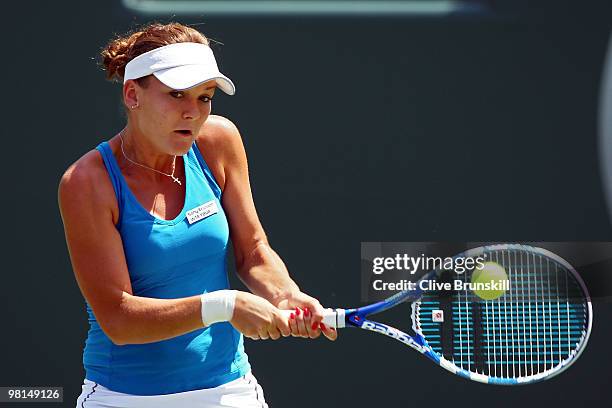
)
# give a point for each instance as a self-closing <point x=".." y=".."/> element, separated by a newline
<point x="170" y="259"/>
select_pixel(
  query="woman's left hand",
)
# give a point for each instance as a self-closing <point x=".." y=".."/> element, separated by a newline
<point x="305" y="321"/>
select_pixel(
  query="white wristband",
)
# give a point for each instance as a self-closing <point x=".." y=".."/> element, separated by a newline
<point x="218" y="306"/>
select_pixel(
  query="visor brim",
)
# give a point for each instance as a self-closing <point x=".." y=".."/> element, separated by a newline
<point x="188" y="76"/>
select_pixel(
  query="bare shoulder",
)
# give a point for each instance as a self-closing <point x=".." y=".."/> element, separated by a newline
<point x="86" y="182"/>
<point x="219" y="133"/>
<point x="221" y="145"/>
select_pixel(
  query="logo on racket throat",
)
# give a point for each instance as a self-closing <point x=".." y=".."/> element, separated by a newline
<point x="391" y="332"/>
<point x="437" y="316"/>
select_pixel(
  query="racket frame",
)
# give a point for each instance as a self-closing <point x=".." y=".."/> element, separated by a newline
<point x="358" y="318"/>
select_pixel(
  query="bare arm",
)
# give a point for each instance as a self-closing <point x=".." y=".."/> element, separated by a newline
<point x="88" y="208"/>
<point x="257" y="264"/>
<point x="265" y="274"/>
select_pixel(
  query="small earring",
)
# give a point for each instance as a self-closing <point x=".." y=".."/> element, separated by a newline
<point x="134" y="106"/>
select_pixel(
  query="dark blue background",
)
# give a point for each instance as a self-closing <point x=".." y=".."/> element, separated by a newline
<point x="357" y="129"/>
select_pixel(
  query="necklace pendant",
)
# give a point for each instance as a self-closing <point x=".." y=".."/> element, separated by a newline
<point x="176" y="180"/>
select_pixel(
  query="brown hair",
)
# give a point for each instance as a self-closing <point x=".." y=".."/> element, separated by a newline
<point x="121" y="50"/>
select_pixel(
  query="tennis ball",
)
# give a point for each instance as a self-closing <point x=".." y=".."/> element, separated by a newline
<point x="493" y="274"/>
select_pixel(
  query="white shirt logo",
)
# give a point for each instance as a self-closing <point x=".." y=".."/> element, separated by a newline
<point x="203" y="211"/>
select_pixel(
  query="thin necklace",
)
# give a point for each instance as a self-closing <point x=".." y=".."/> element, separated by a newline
<point x="176" y="180"/>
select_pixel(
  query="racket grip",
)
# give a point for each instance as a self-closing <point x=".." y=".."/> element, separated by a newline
<point x="331" y="318"/>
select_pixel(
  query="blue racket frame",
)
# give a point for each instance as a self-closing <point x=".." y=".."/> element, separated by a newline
<point x="358" y="318"/>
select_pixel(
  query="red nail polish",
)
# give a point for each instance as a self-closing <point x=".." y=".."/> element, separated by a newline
<point x="323" y="327"/>
<point x="314" y="326"/>
<point x="297" y="311"/>
<point x="292" y="316"/>
<point x="306" y="312"/>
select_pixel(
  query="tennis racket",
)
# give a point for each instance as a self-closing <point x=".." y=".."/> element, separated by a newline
<point x="536" y="330"/>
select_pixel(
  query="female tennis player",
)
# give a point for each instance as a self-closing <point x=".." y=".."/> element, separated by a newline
<point x="147" y="217"/>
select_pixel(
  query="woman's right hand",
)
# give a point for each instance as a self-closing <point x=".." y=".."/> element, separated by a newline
<point x="257" y="318"/>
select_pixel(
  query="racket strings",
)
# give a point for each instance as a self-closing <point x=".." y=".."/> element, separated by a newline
<point x="534" y="327"/>
<point x="530" y="324"/>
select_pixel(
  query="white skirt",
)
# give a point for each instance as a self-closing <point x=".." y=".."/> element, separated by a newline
<point x="243" y="392"/>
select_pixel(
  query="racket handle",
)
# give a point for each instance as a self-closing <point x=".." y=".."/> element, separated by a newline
<point x="331" y="317"/>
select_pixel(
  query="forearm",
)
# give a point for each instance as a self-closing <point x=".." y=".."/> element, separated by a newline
<point x="142" y="320"/>
<point x="266" y="275"/>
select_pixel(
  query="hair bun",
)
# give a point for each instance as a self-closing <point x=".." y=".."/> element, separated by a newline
<point x="121" y="50"/>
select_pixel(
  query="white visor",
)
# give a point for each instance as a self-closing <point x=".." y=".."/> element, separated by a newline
<point x="179" y="66"/>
